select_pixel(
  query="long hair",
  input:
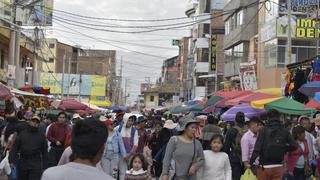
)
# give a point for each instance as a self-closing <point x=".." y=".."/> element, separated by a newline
<point x="142" y="159"/>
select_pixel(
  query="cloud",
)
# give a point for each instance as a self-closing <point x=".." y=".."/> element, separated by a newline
<point x="127" y="9"/>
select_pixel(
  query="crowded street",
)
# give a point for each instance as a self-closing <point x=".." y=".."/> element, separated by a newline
<point x="159" y="90"/>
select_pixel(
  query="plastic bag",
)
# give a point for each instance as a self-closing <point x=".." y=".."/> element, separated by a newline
<point x="248" y="175"/>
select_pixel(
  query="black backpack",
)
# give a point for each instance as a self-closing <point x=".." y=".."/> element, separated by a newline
<point x="275" y="144"/>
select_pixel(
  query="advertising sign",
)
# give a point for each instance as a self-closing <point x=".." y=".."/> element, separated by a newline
<point x="306" y="28"/>
<point x="268" y="30"/>
<point x="248" y="78"/>
<point x="282" y="26"/>
<point x="98" y="85"/>
<point x="213" y="52"/>
<point x="85" y="85"/>
<point x="52" y="81"/>
<point x="71" y="83"/>
<point x="11" y="73"/>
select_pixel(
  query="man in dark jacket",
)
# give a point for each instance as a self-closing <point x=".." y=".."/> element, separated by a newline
<point x="30" y="151"/>
<point x="233" y="145"/>
<point x="272" y="143"/>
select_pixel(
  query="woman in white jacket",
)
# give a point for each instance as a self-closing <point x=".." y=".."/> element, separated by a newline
<point x="217" y="164"/>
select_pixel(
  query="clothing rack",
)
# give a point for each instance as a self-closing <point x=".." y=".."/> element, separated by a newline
<point x="302" y="64"/>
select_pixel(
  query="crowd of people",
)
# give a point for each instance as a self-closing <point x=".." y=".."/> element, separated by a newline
<point x="130" y="146"/>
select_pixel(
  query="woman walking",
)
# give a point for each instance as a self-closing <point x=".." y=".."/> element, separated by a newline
<point x="185" y="151"/>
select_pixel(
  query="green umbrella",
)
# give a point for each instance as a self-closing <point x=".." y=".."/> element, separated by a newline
<point x="213" y="99"/>
<point x="289" y="106"/>
<point x="196" y="107"/>
<point x="177" y="109"/>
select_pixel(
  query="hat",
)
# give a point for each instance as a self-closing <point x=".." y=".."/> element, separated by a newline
<point x="317" y="120"/>
<point x="169" y="124"/>
<point x="140" y="119"/>
<point x="108" y="122"/>
<point x="102" y="118"/>
<point x="36" y="118"/>
<point x="185" y="121"/>
<point x="75" y="116"/>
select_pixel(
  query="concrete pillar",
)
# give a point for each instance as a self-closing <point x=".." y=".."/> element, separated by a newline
<point x="12" y="48"/>
<point x="17" y="49"/>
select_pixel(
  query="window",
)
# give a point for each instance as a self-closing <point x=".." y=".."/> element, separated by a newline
<point x="151" y="98"/>
<point x="238" y="50"/>
<point x="2" y="60"/>
<point x="51" y="45"/>
<point x="206" y="29"/>
<point x="240" y="18"/>
<point x="51" y="60"/>
<point x="227" y="27"/>
<point x="232" y="23"/>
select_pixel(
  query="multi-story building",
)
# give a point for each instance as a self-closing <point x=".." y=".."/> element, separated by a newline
<point x="183" y="67"/>
<point x="273" y="36"/>
<point x="241" y="24"/>
<point x="199" y="12"/>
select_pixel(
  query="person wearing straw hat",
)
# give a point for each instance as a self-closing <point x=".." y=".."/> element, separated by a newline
<point x="180" y="149"/>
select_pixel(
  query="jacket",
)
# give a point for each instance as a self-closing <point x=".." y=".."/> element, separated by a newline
<point x="292" y="158"/>
<point x="262" y="141"/>
<point x="58" y="132"/>
<point x="117" y="143"/>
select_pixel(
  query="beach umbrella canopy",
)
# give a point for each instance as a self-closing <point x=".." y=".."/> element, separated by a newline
<point x="310" y="88"/>
<point x="256" y="96"/>
<point x="248" y="111"/>
<point x="289" y="106"/>
<point x="5" y="93"/>
<point x="260" y="104"/>
<point x="271" y="91"/>
<point x="312" y="104"/>
<point x="177" y="109"/>
<point x="72" y="104"/>
<point x="118" y="108"/>
<point x="190" y="103"/>
<point x="212" y="100"/>
<point x="231" y="94"/>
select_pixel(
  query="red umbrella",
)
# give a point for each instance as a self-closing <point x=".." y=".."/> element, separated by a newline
<point x="256" y="96"/>
<point x="72" y="104"/>
<point x="209" y="109"/>
<point x="231" y="94"/>
<point x="312" y="104"/>
<point x="5" y="93"/>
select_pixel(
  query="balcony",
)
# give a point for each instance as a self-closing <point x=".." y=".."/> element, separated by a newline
<point x="201" y="67"/>
<point x="202" y="43"/>
<point x="231" y="68"/>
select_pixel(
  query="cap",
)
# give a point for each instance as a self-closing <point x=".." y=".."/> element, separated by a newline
<point x="185" y="121"/>
<point x="75" y="116"/>
<point x="102" y="118"/>
<point x="36" y="118"/>
<point x="108" y="122"/>
<point x="169" y="124"/>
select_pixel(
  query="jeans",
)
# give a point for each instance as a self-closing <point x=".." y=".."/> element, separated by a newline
<point x="237" y="171"/>
<point x="123" y="167"/>
<point x="110" y="163"/>
<point x="54" y="156"/>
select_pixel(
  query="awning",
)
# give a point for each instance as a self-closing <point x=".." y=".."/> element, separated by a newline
<point x="261" y="103"/>
<point x="231" y="94"/>
<point x="208" y="76"/>
<point x="101" y="103"/>
<point x="271" y="91"/>
<point x="312" y="104"/>
<point x="289" y="106"/>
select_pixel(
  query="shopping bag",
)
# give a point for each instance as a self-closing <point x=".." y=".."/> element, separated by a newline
<point x="248" y="175"/>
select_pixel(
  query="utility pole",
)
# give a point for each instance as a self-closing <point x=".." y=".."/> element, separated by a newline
<point x="148" y="80"/>
<point x="289" y="32"/>
<point x="80" y="82"/>
<point x="120" y="79"/>
<point x="317" y="27"/>
<point x="69" y="69"/>
<point x="125" y="91"/>
<point x="63" y="71"/>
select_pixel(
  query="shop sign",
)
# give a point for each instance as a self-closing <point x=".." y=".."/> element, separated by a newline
<point x="283" y="27"/>
<point x="248" y="78"/>
<point x="213" y="52"/>
<point x="268" y="30"/>
<point x="306" y="28"/>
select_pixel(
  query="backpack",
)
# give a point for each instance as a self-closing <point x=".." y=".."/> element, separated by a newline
<point x="275" y="145"/>
<point x="132" y="133"/>
<point x="237" y="144"/>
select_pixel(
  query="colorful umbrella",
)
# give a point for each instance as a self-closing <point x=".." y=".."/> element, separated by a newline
<point x="212" y="100"/>
<point x="245" y="108"/>
<point x="310" y="88"/>
<point x="71" y="104"/>
<point x="5" y="93"/>
<point x="259" y="104"/>
<point x="271" y="91"/>
<point x="190" y="103"/>
<point x="312" y="104"/>
<point x="231" y="94"/>
<point x="289" y="106"/>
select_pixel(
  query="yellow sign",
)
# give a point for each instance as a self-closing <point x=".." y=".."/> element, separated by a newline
<point x="306" y="28"/>
<point x="98" y="85"/>
<point x="51" y="81"/>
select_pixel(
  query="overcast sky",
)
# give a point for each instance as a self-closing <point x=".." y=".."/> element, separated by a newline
<point x="136" y="66"/>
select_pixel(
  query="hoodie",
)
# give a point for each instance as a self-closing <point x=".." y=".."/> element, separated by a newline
<point x="126" y="135"/>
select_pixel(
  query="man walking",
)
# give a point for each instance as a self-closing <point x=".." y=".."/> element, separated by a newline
<point x="30" y="151"/>
<point x="57" y="135"/>
<point x="233" y="145"/>
<point x="271" y="146"/>
<point x="248" y="141"/>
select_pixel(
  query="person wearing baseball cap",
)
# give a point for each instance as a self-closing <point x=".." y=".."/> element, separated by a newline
<point x="181" y="148"/>
<point x="30" y="149"/>
<point x="114" y="148"/>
